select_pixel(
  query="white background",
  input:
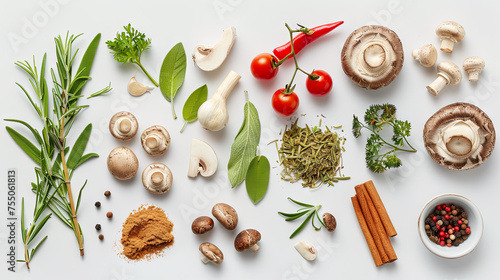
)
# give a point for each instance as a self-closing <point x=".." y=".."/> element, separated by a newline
<point x="28" y="28"/>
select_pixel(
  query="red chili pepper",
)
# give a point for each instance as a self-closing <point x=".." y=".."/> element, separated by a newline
<point x="302" y="40"/>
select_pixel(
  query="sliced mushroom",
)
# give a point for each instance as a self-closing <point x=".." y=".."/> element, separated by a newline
<point x="247" y="239"/>
<point x="155" y="140"/>
<point x="450" y="33"/>
<point x="211" y="253"/>
<point x="473" y="66"/>
<point x="157" y="178"/>
<point x="202" y="160"/>
<point x="135" y="88"/>
<point x="306" y="250"/>
<point x="226" y="215"/>
<point x="372" y="56"/>
<point x="426" y="55"/>
<point x="209" y="58"/>
<point x="123" y="126"/>
<point x="459" y="136"/>
<point x="122" y="163"/>
<point x="448" y="74"/>
<point x="202" y="224"/>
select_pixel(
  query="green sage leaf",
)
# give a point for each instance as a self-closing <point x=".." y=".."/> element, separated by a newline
<point x="29" y="148"/>
<point x="257" y="178"/>
<point x="244" y="146"/>
<point x="86" y="157"/>
<point x="85" y="66"/>
<point x="193" y="103"/>
<point x="172" y="73"/>
<point x="79" y="146"/>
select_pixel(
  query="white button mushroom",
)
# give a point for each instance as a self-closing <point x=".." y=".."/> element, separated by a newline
<point x="202" y="159"/>
<point x="157" y="178"/>
<point x="459" y="136"/>
<point x="209" y="58"/>
<point x="448" y="74"/>
<point x="450" y="33"/>
<point x="247" y="239"/>
<point x="226" y="215"/>
<point x="473" y="66"/>
<point x="211" y="253"/>
<point x="123" y="126"/>
<point x="306" y="250"/>
<point x="426" y="55"/>
<point x="135" y="88"/>
<point x="155" y="140"/>
<point x="122" y="163"/>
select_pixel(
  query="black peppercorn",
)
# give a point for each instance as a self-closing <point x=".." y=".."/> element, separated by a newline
<point x="97" y="204"/>
<point x="98" y="226"/>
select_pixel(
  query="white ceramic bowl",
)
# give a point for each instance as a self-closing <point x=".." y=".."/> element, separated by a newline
<point x="473" y="216"/>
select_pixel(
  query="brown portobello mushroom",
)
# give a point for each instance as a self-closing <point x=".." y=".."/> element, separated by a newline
<point x="459" y="136"/>
<point x="247" y="239"/>
<point x="202" y="224"/>
<point x="372" y="56"/>
<point x="226" y="215"/>
<point x="211" y="253"/>
<point x="123" y="126"/>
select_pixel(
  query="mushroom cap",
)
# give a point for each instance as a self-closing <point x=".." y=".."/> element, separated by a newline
<point x="226" y="215"/>
<point x="427" y="55"/>
<point x="155" y="140"/>
<point x="123" y="125"/>
<point x="330" y="221"/>
<point x="122" y="163"/>
<point x="157" y="178"/>
<point x="473" y="63"/>
<point x="446" y="123"/>
<point x="212" y="252"/>
<point x="450" y="71"/>
<point x="450" y="30"/>
<point x="202" y="159"/>
<point x="202" y="224"/>
<point x="246" y="239"/>
<point x="372" y="56"/>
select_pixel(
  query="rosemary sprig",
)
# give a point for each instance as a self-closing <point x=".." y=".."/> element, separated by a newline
<point x="307" y="210"/>
<point x="56" y="160"/>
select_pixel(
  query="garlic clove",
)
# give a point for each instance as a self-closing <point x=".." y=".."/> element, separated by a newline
<point x="306" y="250"/>
<point x="135" y="88"/>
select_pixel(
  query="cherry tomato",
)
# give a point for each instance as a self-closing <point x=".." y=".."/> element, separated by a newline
<point x="262" y="68"/>
<point x="285" y="104"/>
<point x="322" y="85"/>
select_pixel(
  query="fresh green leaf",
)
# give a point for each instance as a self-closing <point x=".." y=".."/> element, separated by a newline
<point x="29" y="148"/>
<point x="308" y="210"/>
<point x="101" y="92"/>
<point x="193" y="103"/>
<point x="300" y="214"/>
<point x="85" y="65"/>
<point x="299" y="229"/>
<point x="244" y="146"/>
<point x="257" y="178"/>
<point x="33" y="131"/>
<point x="300" y="203"/>
<point x="79" y="147"/>
<point x="172" y="73"/>
<point x="356" y="127"/>
<point x="85" y="158"/>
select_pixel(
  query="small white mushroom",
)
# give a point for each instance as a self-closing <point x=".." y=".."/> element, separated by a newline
<point x="426" y="55"/>
<point x="135" y="88"/>
<point x="123" y="126"/>
<point x="247" y="239"/>
<point x="450" y="33"/>
<point x="448" y="74"/>
<point x="202" y="159"/>
<point x="122" y="163"/>
<point x="155" y="140"/>
<point x="209" y="58"/>
<point x="306" y="250"/>
<point x="157" y="178"/>
<point x="473" y="66"/>
<point x="211" y="253"/>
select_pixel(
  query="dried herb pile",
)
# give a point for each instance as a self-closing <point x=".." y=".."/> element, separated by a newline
<point x="311" y="155"/>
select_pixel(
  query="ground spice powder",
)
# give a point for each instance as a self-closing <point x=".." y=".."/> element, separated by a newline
<point x="146" y="232"/>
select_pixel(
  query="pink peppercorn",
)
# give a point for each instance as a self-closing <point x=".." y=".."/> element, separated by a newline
<point x="447" y="216"/>
<point x="460" y="222"/>
<point x="447" y="209"/>
<point x="456" y="228"/>
<point x="434" y="218"/>
<point x="449" y="244"/>
<point x="439" y="207"/>
<point x="438" y="227"/>
<point x="467" y="230"/>
<point x="442" y="243"/>
<point x="441" y="233"/>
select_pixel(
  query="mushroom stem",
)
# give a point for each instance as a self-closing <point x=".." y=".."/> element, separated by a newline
<point x="204" y="259"/>
<point x="157" y="178"/>
<point x="152" y="142"/>
<point x="439" y="83"/>
<point x="474" y="76"/>
<point x="125" y="126"/>
<point x="255" y="248"/>
<point x="447" y="44"/>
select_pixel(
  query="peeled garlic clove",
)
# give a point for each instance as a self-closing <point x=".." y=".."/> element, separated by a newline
<point x="135" y="88"/>
<point x="306" y="250"/>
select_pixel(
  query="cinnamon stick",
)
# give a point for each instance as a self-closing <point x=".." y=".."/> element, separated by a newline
<point x="384" y="238"/>
<point x="366" y="232"/>
<point x="379" y="205"/>
<point x="370" y="222"/>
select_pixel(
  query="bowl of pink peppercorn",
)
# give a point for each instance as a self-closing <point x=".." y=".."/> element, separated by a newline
<point x="450" y="226"/>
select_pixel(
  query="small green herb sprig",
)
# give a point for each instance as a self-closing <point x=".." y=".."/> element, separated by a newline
<point x="128" y="47"/>
<point x="307" y="210"/>
<point x="380" y="155"/>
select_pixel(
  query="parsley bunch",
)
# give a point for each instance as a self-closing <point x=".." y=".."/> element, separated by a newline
<point x="128" y="47"/>
<point x="380" y="155"/>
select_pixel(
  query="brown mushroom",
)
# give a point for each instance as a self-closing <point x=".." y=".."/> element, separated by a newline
<point x="459" y="136"/>
<point x="155" y="140"/>
<point x="211" y="253"/>
<point x="226" y="215"/>
<point x="157" y="178"/>
<point x="329" y="221"/>
<point x="247" y="239"/>
<point x="202" y="224"/>
<point x="122" y="163"/>
<point x="372" y="56"/>
<point x="123" y="126"/>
